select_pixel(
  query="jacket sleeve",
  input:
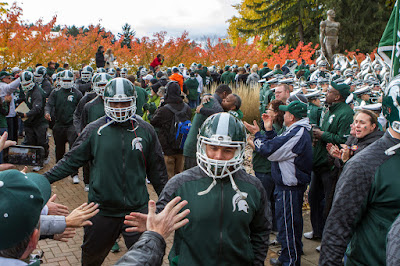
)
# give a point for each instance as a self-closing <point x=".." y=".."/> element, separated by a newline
<point x="52" y="224"/>
<point x="37" y="103"/>
<point x="50" y="103"/>
<point x="342" y="133"/>
<point x="7" y="89"/>
<point x="260" y="228"/>
<point x="46" y="86"/>
<point x="148" y="250"/>
<point x="156" y="170"/>
<point x="75" y="158"/>
<point x="159" y="118"/>
<point x="77" y="116"/>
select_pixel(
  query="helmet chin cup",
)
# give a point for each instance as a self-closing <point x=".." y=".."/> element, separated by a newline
<point x="396" y="126"/>
<point x="119" y="114"/>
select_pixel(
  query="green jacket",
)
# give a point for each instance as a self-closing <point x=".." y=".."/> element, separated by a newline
<point x="314" y="114"/>
<point x="220" y="232"/>
<point x="366" y="203"/>
<point x="192" y="85"/>
<point x="62" y="104"/>
<point x="227" y="77"/>
<point x="5" y="109"/>
<point x="190" y="147"/>
<point x="336" y="126"/>
<point x="92" y="111"/>
<point x="264" y="71"/>
<point x="203" y="74"/>
<point x="120" y="161"/>
<point x="142" y="98"/>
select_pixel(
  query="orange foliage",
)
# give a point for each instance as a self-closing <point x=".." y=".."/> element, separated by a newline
<point x="25" y="46"/>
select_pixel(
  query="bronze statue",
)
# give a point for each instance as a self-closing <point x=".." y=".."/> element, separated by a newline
<point x="329" y="35"/>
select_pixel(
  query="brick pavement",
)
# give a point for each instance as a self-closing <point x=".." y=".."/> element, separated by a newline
<point x="61" y="253"/>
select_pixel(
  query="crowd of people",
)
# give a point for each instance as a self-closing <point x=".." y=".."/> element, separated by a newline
<point x="330" y="131"/>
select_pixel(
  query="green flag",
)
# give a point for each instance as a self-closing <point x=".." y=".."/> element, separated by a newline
<point x="389" y="46"/>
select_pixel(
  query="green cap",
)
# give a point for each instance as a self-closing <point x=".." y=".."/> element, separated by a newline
<point x="342" y="88"/>
<point x="22" y="198"/>
<point x="4" y="74"/>
<point x="199" y="65"/>
<point x="265" y="64"/>
<point x="227" y="67"/>
<point x="296" y="108"/>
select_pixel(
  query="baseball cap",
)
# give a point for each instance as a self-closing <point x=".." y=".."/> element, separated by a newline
<point x="148" y="77"/>
<point x="4" y="74"/>
<point x="226" y="68"/>
<point x="22" y="197"/>
<point x="342" y="88"/>
<point x="296" y="108"/>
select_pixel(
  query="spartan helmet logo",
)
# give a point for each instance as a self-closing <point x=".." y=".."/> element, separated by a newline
<point x="70" y="98"/>
<point x="240" y="202"/>
<point x="136" y="144"/>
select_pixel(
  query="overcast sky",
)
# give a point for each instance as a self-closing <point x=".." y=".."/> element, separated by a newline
<point x="199" y="18"/>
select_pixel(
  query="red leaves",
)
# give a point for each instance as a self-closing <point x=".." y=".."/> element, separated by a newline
<point x="24" y="46"/>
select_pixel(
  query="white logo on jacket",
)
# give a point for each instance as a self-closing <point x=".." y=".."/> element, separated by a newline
<point x="258" y="143"/>
<point x="240" y="202"/>
<point x="70" y="98"/>
<point x="331" y="119"/>
<point x="136" y="144"/>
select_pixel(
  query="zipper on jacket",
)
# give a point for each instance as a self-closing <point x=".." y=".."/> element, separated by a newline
<point x="221" y="220"/>
<point x="123" y="165"/>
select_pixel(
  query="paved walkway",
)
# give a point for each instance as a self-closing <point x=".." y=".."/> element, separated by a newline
<point x="61" y="253"/>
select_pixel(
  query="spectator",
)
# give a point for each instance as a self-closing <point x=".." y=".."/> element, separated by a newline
<point x="227" y="77"/>
<point x="100" y="61"/>
<point x="290" y="155"/>
<point x="162" y="120"/>
<point x="109" y="59"/>
<point x="8" y="87"/>
<point x="177" y="77"/>
<point x="367" y="199"/>
<point x="158" y="61"/>
<point x="261" y="165"/>
<point x="282" y="92"/>
<point x="334" y="128"/>
<point x="264" y="70"/>
<point x="232" y="104"/>
<point x="192" y="86"/>
<point x="253" y="78"/>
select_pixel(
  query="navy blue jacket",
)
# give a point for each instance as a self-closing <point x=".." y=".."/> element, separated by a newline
<point x="290" y="154"/>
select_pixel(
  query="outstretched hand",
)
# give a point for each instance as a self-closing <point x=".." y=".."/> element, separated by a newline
<point x="56" y="208"/>
<point x="81" y="215"/>
<point x="164" y="223"/>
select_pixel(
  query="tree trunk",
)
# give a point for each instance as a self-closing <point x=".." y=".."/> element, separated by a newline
<point x="301" y="30"/>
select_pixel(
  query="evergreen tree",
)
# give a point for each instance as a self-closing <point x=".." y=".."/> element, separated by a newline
<point x="362" y="22"/>
<point x="127" y="34"/>
<point x="278" y="21"/>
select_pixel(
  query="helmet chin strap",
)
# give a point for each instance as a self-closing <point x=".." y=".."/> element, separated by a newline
<point x="214" y="183"/>
<point x="391" y="150"/>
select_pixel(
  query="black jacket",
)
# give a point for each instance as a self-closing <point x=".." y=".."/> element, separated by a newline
<point x="83" y="87"/>
<point x="148" y="250"/>
<point x="163" y="118"/>
<point x="100" y="62"/>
